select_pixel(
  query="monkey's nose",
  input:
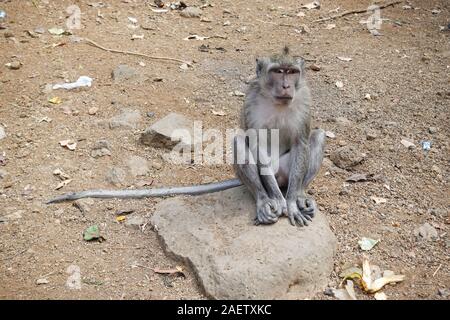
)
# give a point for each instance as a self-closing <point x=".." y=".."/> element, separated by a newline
<point x="286" y="86"/>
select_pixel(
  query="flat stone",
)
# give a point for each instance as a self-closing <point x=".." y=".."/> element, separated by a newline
<point x="234" y="259"/>
<point x="123" y="72"/>
<point x="171" y="130"/>
<point x="2" y="133"/>
<point x="191" y="12"/>
<point x="135" y="222"/>
<point x="126" y="119"/>
<point x="347" y="157"/>
<point x="100" y="149"/>
<point x="116" y="176"/>
<point x="138" y="166"/>
<point x="426" y="231"/>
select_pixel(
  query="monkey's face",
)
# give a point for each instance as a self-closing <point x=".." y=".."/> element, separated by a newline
<point x="282" y="82"/>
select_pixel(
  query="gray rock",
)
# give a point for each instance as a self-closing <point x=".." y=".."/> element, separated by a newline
<point x="234" y="259"/>
<point x="100" y="149"/>
<point x="116" y="176"/>
<point x="39" y="30"/>
<point x="347" y="157"/>
<point x="426" y="231"/>
<point x="123" y="72"/>
<point x="2" y="133"/>
<point x="138" y="166"/>
<point x="444" y="292"/>
<point x="432" y="130"/>
<point x="160" y="133"/>
<point x="126" y="119"/>
<point x="191" y="12"/>
<point x="135" y="222"/>
<point x="3" y="173"/>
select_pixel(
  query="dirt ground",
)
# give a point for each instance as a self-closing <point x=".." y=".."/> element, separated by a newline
<point x="405" y="71"/>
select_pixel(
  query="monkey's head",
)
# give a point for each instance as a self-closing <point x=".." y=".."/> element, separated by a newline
<point x="280" y="76"/>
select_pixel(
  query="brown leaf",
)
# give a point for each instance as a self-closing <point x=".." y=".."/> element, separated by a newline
<point x="178" y="271"/>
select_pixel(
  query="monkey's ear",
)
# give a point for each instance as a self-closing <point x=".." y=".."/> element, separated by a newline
<point x="301" y="64"/>
<point x="259" y="66"/>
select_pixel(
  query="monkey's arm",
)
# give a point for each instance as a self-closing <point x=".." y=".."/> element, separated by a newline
<point x="144" y="193"/>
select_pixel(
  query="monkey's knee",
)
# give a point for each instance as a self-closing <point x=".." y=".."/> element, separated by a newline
<point x="317" y="138"/>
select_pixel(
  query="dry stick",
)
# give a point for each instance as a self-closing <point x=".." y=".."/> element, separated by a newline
<point x="346" y="13"/>
<point x="93" y="43"/>
<point x="437" y="270"/>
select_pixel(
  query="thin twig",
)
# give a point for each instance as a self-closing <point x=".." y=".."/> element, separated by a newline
<point x="93" y="43"/>
<point x="437" y="270"/>
<point x="346" y="13"/>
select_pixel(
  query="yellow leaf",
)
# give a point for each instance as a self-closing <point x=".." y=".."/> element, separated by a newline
<point x="373" y="286"/>
<point x="55" y="100"/>
<point x="120" y="218"/>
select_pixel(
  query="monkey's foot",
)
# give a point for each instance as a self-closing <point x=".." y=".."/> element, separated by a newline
<point x="307" y="206"/>
<point x="300" y="212"/>
<point x="267" y="211"/>
<point x="281" y="206"/>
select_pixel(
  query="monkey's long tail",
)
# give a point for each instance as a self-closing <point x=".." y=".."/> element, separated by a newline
<point x="145" y="193"/>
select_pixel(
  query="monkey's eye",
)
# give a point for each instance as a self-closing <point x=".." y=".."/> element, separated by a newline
<point x="279" y="70"/>
<point x="292" y="71"/>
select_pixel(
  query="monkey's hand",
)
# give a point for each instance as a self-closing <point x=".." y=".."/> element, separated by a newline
<point x="267" y="211"/>
<point x="301" y="211"/>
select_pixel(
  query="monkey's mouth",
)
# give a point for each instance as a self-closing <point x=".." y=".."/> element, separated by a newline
<point x="283" y="98"/>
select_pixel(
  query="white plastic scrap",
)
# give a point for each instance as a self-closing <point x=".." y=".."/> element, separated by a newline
<point x="82" y="81"/>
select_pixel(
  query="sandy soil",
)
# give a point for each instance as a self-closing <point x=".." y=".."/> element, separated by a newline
<point x="405" y="71"/>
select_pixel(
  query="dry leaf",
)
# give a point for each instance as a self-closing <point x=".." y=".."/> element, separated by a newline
<point x="136" y="36"/>
<point x="159" y="10"/>
<point x="339" y="84"/>
<point x="195" y="37"/>
<point x="380" y="296"/>
<point x="350" y="289"/>
<point x="55" y="100"/>
<point x="63" y="184"/>
<point x="348" y="293"/>
<point x="408" y="144"/>
<point x="378" y="200"/>
<point x="120" y="218"/>
<point x="178" y="271"/>
<point x="219" y="113"/>
<point x="367" y="244"/>
<point x="312" y="5"/>
<point x="351" y="273"/>
<point x="61" y="174"/>
<point x="69" y="144"/>
<point x="372" y="286"/>
<point x="346" y="59"/>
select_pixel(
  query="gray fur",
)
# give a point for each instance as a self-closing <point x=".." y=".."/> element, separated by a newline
<point x="301" y="151"/>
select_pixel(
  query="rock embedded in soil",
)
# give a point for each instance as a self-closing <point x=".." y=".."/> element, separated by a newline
<point x="161" y="132"/>
<point x="426" y="231"/>
<point x="116" y="176"/>
<point x="347" y="157"/>
<point x="191" y="12"/>
<point x="2" y="133"/>
<point x="135" y="222"/>
<point x="101" y="148"/>
<point x="123" y="72"/>
<point x="126" y="119"/>
<point x="234" y="259"/>
<point x="138" y="166"/>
